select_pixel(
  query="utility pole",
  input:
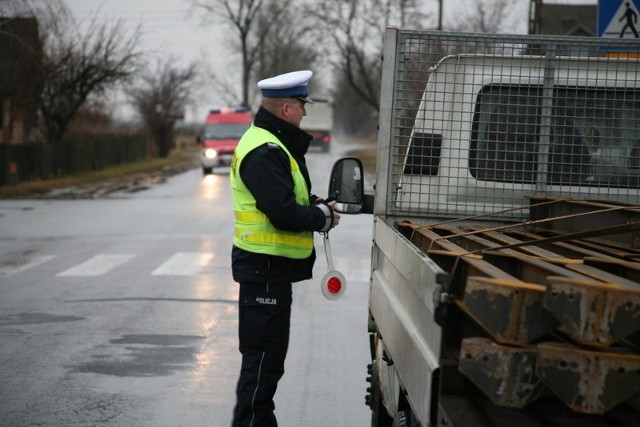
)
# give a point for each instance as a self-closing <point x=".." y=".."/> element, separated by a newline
<point x="535" y="7"/>
<point x="440" y="15"/>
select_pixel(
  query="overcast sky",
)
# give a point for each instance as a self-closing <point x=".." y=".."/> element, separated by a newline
<point x="166" y="24"/>
<point x="167" y="29"/>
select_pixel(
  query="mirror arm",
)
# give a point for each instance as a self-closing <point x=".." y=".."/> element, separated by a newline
<point x="368" y="200"/>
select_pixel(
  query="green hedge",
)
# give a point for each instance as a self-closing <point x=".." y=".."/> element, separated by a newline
<point x="28" y="162"/>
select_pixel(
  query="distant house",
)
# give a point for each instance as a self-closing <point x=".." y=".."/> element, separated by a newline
<point x="564" y="20"/>
<point x="20" y="84"/>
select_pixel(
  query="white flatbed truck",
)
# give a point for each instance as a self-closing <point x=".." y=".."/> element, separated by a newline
<point x="505" y="267"/>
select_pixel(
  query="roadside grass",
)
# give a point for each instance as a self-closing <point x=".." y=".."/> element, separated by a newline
<point x="365" y="149"/>
<point x="35" y="189"/>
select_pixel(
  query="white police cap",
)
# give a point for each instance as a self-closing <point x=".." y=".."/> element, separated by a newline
<point x="289" y="85"/>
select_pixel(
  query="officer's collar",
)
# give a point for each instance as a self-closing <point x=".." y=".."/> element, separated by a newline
<point x="295" y="139"/>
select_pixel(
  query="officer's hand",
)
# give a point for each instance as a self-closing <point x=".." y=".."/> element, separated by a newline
<point x="336" y="215"/>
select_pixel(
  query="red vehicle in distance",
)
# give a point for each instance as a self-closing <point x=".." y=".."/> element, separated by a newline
<point x="222" y="130"/>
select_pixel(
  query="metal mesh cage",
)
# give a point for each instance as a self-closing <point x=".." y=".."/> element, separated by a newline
<point x="478" y="123"/>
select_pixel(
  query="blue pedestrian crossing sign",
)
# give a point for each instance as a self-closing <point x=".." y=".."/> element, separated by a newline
<point x="619" y="19"/>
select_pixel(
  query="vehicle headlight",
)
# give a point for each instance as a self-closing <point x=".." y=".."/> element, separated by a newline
<point x="210" y="153"/>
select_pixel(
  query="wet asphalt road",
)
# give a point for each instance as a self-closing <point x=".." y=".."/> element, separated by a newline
<point x="122" y="312"/>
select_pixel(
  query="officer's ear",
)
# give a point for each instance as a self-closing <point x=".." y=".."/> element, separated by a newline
<point x="286" y="107"/>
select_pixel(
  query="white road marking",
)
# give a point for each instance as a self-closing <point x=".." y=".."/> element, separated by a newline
<point x="98" y="265"/>
<point x="184" y="264"/>
<point x="8" y="270"/>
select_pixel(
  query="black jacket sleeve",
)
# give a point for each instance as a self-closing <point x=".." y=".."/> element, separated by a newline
<point x="266" y="172"/>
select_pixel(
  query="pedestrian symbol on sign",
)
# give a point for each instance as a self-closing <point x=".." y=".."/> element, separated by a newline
<point x="619" y="19"/>
<point x="631" y="18"/>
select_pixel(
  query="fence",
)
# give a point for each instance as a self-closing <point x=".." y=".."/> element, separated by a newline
<point x="477" y="123"/>
<point x="27" y="162"/>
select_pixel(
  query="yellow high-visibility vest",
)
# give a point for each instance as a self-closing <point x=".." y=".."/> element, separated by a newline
<point x="253" y="230"/>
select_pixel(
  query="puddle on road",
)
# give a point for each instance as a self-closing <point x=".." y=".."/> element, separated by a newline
<point x="34" y="319"/>
<point x="144" y="356"/>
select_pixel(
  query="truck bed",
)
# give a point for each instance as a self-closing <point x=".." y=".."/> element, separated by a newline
<point x="541" y="322"/>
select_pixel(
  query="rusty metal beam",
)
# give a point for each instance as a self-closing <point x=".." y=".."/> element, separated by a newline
<point x="595" y="307"/>
<point x="604" y="215"/>
<point x="531" y="249"/>
<point x="426" y="239"/>
<point x="508" y="309"/>
<point x="588" y="381"/>
<point x="596" y="314"/>
<point x="505" y="374"/>
<point x="592" y="311"/>
<point x="566" y="249"/>
<point x="606" y="249"/>
<point x="511" y="311"/>
<point x="623" y="268"/>
<point x="604" y="276"/>
<point x="512" y="298"/>
<point x="530" y="269"/>
<point x="461" y="267"/>
<point x="521" y="287"/>
<point x="469" y="242"/>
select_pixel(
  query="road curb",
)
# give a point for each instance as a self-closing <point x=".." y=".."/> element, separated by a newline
<point x="129" y="183"/>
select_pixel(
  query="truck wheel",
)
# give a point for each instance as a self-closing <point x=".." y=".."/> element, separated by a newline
<point x="379" y="416"/>
<point x="206" y="171"/>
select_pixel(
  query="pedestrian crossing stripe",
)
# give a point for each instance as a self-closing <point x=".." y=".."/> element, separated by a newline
<point x="619" y="19"/>
<point x="179" y="264"/>
<point x="184" y="264"/>
<point x="97" y="265"/>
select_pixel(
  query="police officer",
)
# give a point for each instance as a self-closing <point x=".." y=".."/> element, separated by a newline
<point x="275" y="217"/>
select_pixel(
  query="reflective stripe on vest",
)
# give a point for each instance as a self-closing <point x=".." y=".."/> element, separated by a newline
<point x="253" y="231"/>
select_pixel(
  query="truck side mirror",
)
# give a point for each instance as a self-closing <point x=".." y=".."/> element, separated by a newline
<point x="347" y="179"/>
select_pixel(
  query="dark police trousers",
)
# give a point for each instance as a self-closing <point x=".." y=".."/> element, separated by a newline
<point x="264" y="320"/>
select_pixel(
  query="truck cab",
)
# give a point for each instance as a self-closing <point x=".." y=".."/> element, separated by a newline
<point x="485" y="138"/>
<point x="220" y="135"/>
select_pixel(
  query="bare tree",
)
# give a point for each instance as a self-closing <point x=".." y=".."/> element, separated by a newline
<point x="96" y="116"/>
<point x="484" y="16"/>
<point x="20" y="8"/>
<point x="241" y="16"/>
<point x="161" y="99"/>
<point x="290" y="48"/>
<point x="356" y="30"/>
<point x="77" y="65"/>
